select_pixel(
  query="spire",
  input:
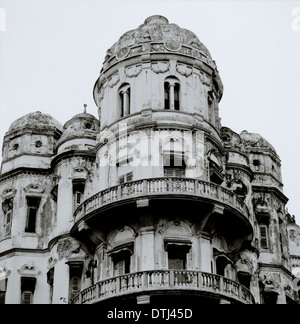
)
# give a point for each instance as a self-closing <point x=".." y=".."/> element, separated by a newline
<point x="85" y="105"/>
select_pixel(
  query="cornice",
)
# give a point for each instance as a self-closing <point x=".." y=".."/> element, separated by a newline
<point x="72" y="154"/>
<point x="24" y="170"/>
<point x="276" y="191"/>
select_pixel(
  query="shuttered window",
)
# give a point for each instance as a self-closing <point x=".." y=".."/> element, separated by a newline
<point x="74" y="286"/>
<point x="26" y="297"/>
<point x="2" y="297"/>
<point x="121" y="261"/>
<point x="174" y="172"/>
<point x="263" y="237"/>
<point x="27" y="289"/>
<point x="8" y="223"/>
<point x="126" y="177"/>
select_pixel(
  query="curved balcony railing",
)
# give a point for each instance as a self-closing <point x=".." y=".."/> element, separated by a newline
<point x="159" y="187"/>
<point x="163" y="280"/>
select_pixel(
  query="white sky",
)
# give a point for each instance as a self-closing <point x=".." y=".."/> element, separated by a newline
<point x="51" y="53"/>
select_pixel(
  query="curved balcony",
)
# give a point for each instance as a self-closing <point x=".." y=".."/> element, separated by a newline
<point x="167" y="187"/>
<point x="164" y="281"/>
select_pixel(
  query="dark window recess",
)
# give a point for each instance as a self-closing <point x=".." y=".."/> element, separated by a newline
<point x="38" y="144"/>
<point x="174" y="166"/>
<point x="167" y="95"/>
<point x="3" y="284"/>
<point x="2" y="297"/>
<point x="215" y="173"/>
<point x="27" y="289"/>
<point x="78" y="191"/>
<point x="281" y="235"/>
<point x="33" y="206"/>
<point x="177" y="256"/>
<point x="263" y="236"/>
<point x="7" y="207"/>
<point x="125" y="100"/>
<point x="126" y="177"/>
<point x="221" y="263"/>
<point x="245" y="279"/>
<point x="270" y="297"/>
<point x="176" y="96"/>
<point x="75" y="278"/>
<point x="121" y="262"/>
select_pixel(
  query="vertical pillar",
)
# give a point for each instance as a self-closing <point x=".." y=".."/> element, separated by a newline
<point x="126" y="102"/>
<point x="147" y="256"/>
<point x="205" y="254"/>
<point x="147" y="248"/>
<point x="64" y="205"/>
<point x="172" y="95"/>
<point x="61" y="283"/>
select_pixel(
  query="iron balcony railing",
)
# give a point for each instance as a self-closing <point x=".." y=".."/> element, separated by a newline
<point x="163" y="280"/>
<point x="159" y="187"/>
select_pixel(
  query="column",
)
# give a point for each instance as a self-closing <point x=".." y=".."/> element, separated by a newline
<point x="172" y="95"/>
<point x="147" y="248"/>
<point x="65" y="205"/>
<point x="61" y="283"/>
<point x="126" y="102"/>
<point x="147" y="230"/>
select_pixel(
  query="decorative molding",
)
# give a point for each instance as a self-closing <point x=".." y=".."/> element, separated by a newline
<point x="205" y="80"/>
<point x="160" y="67"/>
<point x="66" y="248"/>
<point x="184" y="70"/>
<point x="29" y="270"/>
<point x="133" y="71"/>
<point x="8" y="193"/>
<point x="34" y="189"/>
<point x="114" y="80"/>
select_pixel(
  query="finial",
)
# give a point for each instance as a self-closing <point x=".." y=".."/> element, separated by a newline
<point x="85" y="105"/>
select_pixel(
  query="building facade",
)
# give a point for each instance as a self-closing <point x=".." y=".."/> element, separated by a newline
<point x="153" y="201"/>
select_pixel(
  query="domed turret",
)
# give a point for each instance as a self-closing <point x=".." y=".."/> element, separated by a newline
<point x="34" y="134"/>
<point x="264" y="160"/>
<point x="35" y="120"/>
<point x="256" y="141"/>
<point x="79" y="133"/>
<point x="157" y="35"/>
<point x="158" y="66"/>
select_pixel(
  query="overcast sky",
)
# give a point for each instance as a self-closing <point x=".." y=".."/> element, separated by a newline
<point x="51" y="53"/>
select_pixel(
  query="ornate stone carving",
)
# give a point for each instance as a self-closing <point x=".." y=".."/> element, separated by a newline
<point x="205" y="80"/>
<point x="29" y="270"/>
<point x="8" y="193"/>
<point x="34" y="189"/>
<point x="133" y="71"/>
<point x="66" y="248"/>
<point x="184" y="70"/>
<point x="270" y="281"/>
<point x="172" y="37"/>
<point x="114" y="80"/>
<point x="219" y="243"/>
<point x="51" y="262"/>
<point x="160" y="67"/>
<point x="4" y="273"/>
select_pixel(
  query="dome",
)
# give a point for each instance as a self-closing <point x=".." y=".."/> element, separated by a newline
<point x="35" y="120"/>
<point x="83" y="125"/>
<point x="256" y="141"/>
<point x="157" y="35"/>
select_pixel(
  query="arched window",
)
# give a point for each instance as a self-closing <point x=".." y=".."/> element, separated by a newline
<point x="172" y="93"/>
<point x="124" y="94"/>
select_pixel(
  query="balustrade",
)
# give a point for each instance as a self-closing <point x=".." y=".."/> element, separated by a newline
<point x="164" y="280"/>
<point x="161" y="186"/>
